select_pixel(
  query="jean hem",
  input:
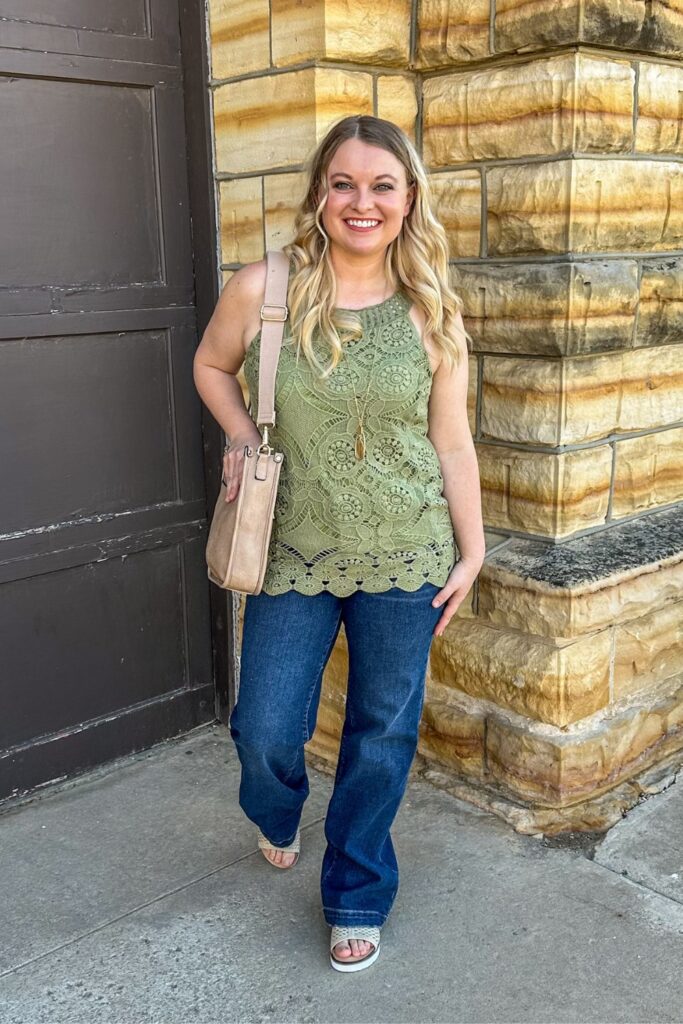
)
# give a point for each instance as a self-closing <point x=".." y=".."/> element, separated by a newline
<point x="350" y="918"/>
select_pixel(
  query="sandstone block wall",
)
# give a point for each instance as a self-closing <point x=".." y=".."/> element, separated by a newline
<point x="553" y="134"/>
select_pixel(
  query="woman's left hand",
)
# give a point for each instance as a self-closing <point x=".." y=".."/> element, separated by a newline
<point x="455" y="590"/>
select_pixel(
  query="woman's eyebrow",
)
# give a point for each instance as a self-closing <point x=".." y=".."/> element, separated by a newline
<point x="343" y="174"/>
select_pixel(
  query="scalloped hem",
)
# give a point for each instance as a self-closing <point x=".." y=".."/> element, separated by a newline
<point x="336" y="588"/>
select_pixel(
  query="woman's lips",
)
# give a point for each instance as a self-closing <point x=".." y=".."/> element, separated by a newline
<point x="357" y="226"/>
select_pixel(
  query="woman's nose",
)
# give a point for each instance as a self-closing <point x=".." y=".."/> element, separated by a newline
<point x="365" y="200"/>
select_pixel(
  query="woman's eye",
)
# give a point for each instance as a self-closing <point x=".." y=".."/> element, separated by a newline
<point x="385" y="185"/>
<point x="341" y="184"/>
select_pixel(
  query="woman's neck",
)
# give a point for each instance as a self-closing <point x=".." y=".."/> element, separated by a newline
<point x="360" y="281"/>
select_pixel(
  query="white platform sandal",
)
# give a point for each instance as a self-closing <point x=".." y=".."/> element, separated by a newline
<point x="361" y="933"/>
<point x="294" y="847"/>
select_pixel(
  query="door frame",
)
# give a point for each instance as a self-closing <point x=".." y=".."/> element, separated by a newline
<point x="196" y="65"/>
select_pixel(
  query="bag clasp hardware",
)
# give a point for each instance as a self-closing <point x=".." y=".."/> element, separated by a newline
<point x="277" y="317"/>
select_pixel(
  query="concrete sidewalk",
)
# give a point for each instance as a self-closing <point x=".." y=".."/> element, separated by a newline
<point x="137" y="895"/>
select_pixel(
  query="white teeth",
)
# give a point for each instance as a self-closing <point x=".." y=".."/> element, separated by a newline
<point x="363" y="223"/>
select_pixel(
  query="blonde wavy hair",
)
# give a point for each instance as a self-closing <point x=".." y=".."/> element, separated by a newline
<point x="417" y="259"/>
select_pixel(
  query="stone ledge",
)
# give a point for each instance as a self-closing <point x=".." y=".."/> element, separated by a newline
<point x="586" y="584"/>
<point x="594" y="815"/>
<point x="589" y="759"/>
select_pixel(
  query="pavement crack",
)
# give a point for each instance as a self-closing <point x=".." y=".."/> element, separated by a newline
<point x="640" y="885"/>
<point x="140" y="906"/>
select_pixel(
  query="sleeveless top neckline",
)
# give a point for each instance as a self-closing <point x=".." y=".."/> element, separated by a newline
<point x="343" y="524"/>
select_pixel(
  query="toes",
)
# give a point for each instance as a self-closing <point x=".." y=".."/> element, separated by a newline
<point x="279" y="857"/>
<point x="352" y="948"/>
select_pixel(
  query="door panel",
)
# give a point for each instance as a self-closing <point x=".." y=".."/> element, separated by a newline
<point x="106" y="642"/>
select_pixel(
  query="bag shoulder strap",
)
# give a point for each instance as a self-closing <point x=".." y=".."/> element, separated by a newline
<point x="274" y="313"/>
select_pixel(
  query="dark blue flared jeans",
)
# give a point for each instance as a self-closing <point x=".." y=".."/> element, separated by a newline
<point x="286" y="642"/>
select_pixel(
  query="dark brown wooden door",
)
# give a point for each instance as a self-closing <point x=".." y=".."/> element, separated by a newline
<point x="104" y="602"/>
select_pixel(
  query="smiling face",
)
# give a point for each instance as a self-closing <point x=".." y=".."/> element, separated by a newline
<point x="368" y="198"/>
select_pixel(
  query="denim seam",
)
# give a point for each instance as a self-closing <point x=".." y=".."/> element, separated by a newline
<point x="363" y="918"/>
<point x="326" y="655"/>
<point x="346" y="910"/>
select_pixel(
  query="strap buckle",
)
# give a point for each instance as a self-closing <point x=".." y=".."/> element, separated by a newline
<point x="268" y="314"/>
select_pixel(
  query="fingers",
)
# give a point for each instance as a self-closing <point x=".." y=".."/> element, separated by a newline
<point x="233" y="459"/>
<point x="450" y="608"/>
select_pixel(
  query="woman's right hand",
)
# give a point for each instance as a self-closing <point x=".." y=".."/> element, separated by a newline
<point x="233" y="461"/>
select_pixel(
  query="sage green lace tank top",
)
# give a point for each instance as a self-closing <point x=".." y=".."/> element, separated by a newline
<point x="341" y="523"/>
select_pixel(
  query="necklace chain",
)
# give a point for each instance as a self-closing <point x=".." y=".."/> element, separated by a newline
<point x="360" y="445"/>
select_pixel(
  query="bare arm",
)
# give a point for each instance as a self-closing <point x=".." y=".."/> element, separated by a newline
<point x="218" y="360"/>
<point x="450" y="433"/>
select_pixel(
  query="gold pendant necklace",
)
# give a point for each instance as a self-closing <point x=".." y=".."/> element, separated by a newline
<point x="360" y="442"/>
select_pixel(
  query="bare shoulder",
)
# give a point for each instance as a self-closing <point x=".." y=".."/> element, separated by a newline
<point x="235" y="319"/>
<point x="242" y="298"/>
<point x="418" y="317"/>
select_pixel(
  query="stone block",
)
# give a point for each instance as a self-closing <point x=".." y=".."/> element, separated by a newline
<point x="660" y="310"/>
<point x="452" y="31"/>
<point x="586" y="583"/>
<point x="550" y="681"/>
<point x="451" y="733"/>
<point x="579" y="205"/>
<point x="548" y="106"/>
<point x="603" y="105"/>
<point x="528" y="208"/>
<point x="457" y="204"/>
<point x="651" y="388"/>
<point x="520" y="25"/>
<point x="549" y="308"/>
<point x="659" y="128"/>
<point x="556" y="769"/>
<point x="544" y="494"/>
<point x="341" y="30"/>
<point x="282" y="195"/>
<point x="241" y="220"/>
<point x="626" y="205"/>
<point x="338" y="94"/>
<point x="275" y="121"/>
<point x="397" y="101"/>
<point x="240" y="37"/>
<point x="648" y="472"/>
<point x="298" y="31"/>
<point x="558" y="402"/>
<point x="648" y="651"/>
<point x="655" y="27"/>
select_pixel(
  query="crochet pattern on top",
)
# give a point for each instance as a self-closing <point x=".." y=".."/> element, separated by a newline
<point x="343" y="524"/>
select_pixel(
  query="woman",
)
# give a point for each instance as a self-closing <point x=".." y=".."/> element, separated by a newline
<point x="379" y="479"/>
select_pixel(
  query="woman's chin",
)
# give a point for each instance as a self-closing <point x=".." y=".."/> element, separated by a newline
<point x="365" y="243"/>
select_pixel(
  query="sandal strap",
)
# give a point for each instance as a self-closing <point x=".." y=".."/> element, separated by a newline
<point x="294" y="846"/>
<point x="360" y="932"/>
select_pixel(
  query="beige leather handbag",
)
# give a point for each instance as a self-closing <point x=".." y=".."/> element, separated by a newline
<point x="239" y="537"/>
